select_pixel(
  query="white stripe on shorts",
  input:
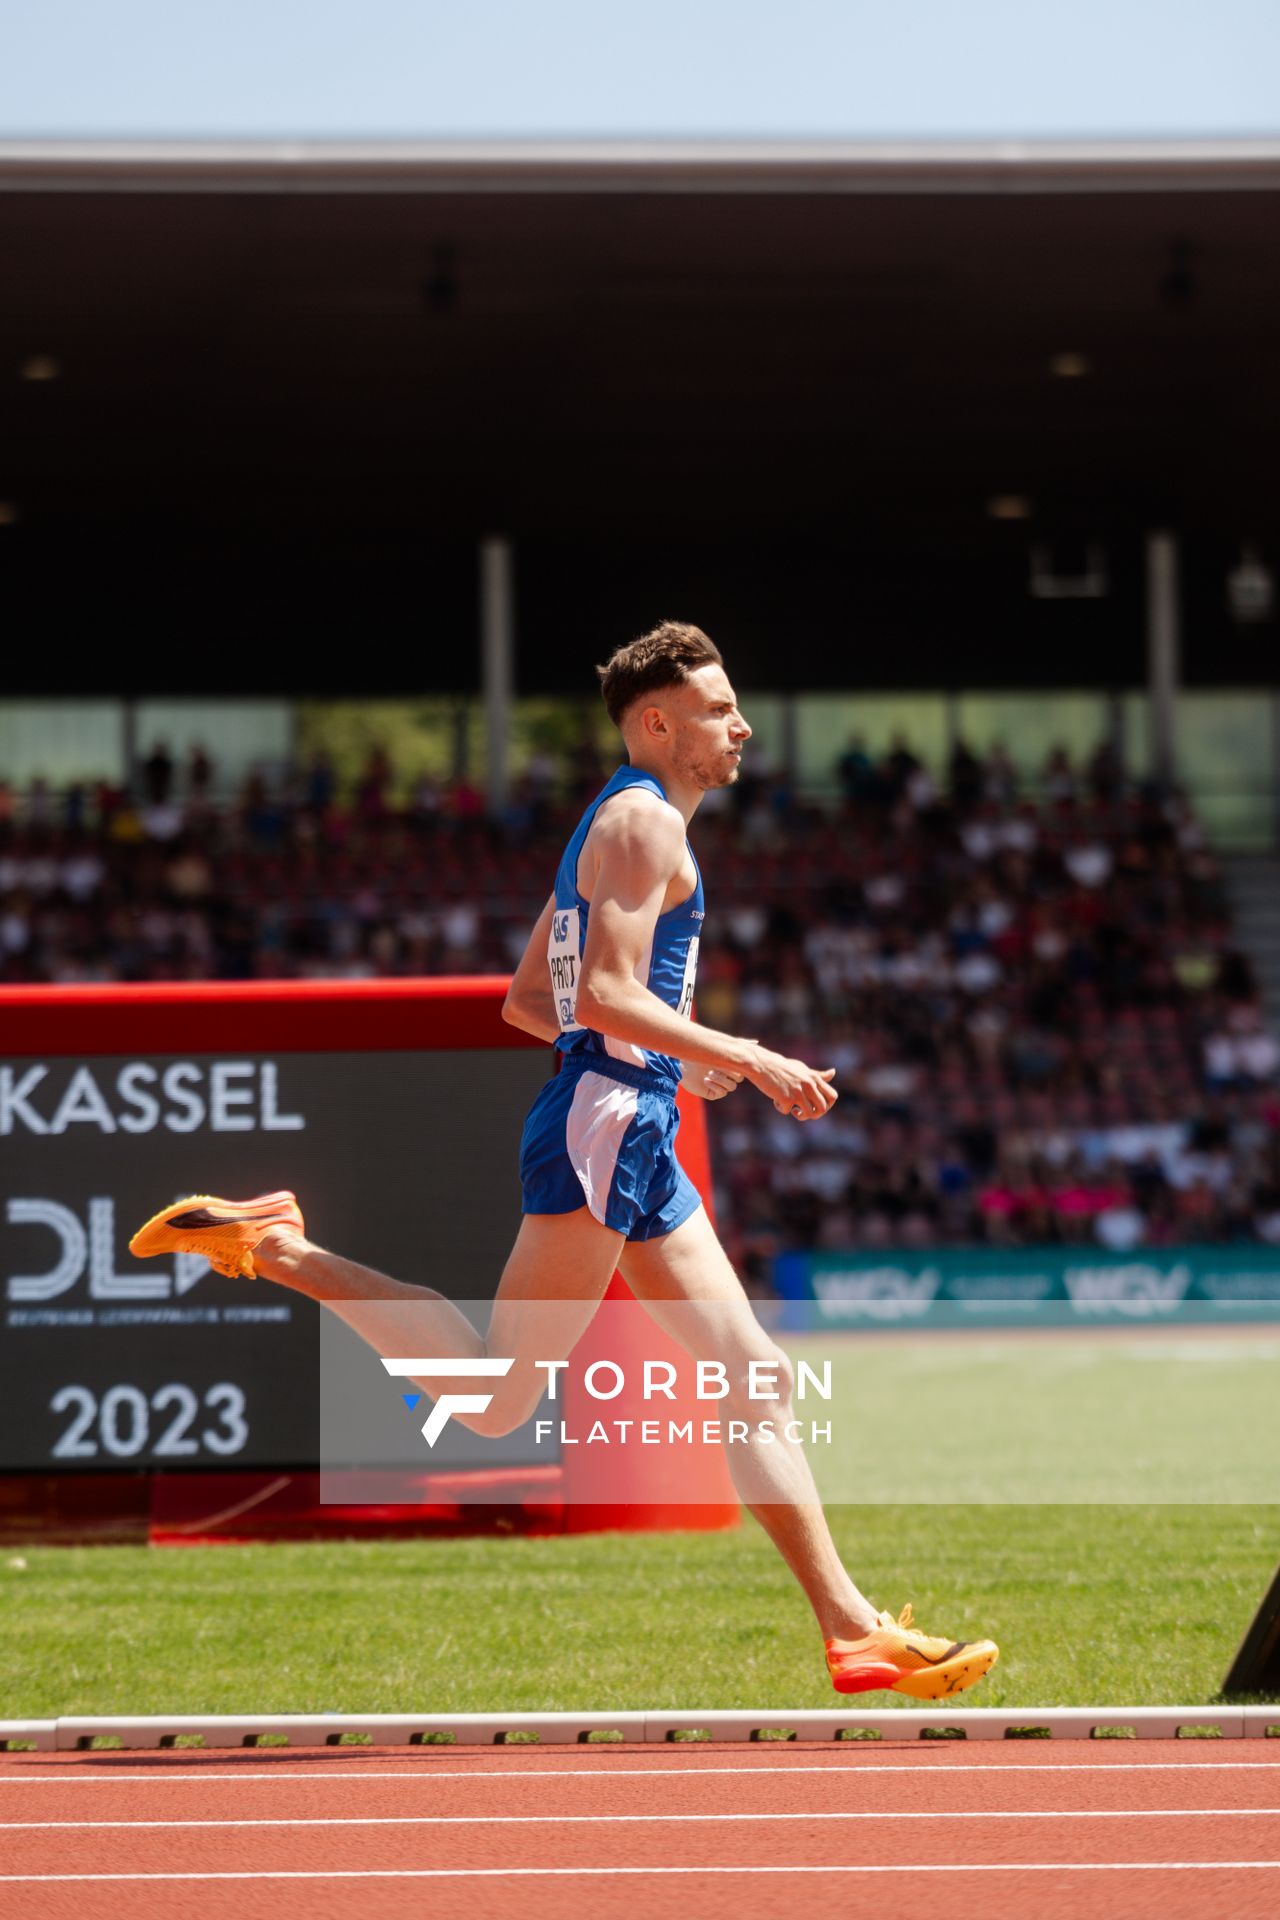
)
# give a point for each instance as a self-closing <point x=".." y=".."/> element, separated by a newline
<point x="600" y="1113"/>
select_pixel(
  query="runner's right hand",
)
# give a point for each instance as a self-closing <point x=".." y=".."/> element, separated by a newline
<point x="804" y="1092"/>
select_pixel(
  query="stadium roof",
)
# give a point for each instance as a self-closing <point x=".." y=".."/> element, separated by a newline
<point x="303" y="378"/>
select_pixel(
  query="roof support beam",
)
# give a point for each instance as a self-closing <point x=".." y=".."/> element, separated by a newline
<point x="1164" y="652"/>
<point x="497" y="657"/>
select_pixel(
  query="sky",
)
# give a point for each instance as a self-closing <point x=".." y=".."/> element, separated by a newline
<point x="719" y="69"/>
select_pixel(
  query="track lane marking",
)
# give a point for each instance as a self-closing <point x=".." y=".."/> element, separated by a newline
<point x="618" y="1819"/>
<point x="536" y="1873"/>
<point x="65" y="1775"/>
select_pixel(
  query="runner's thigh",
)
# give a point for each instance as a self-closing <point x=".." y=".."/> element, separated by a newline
<point x="690" y="1289"/>
<point x="554" y="1279"/>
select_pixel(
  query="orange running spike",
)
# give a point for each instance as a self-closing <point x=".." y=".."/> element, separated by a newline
<point x="223" y="1232"/>
<point x="895" y="1656"/>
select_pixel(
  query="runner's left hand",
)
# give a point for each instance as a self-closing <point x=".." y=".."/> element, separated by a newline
<point x="709" y="1083"/>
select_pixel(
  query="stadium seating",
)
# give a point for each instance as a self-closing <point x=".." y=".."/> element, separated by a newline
<point x="1043" y="1030"/>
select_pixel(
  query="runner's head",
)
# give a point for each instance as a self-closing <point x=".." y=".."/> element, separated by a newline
<point x="670" y="697"/>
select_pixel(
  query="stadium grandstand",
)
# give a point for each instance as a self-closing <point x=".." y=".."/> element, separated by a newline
<point x="1029" y="980"/>
<point x="895" y="425"/>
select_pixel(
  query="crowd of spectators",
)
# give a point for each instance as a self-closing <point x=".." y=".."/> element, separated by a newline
<point x="1042" y="1029"/>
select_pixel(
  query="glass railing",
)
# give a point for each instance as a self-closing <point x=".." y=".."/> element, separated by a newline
<point x="1228" y="741"/>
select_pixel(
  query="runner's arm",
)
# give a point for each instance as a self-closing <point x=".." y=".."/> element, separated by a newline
<point x="529" y="1004"/>
<point x="639" y="852"/>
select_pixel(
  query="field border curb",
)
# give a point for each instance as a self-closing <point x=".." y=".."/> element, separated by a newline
<point x="648" y="1727"/>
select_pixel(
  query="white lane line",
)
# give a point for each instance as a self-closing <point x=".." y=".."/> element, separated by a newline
<point x="633" y="1819"/>
<point x="539" y="1873"/>
<point x="67" y="1773"/>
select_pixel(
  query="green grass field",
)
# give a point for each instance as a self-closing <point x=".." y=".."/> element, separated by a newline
<point x="1091" y="1605"/>
<point x="991" y="1445"/>
<point x="1124" y="1414"/>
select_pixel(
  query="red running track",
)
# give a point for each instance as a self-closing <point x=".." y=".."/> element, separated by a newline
<point x="1068" y="1828"/>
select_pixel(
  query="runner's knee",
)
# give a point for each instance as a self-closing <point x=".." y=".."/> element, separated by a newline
<point x="512" y="1404"/>
<point x="763" y="1373"/>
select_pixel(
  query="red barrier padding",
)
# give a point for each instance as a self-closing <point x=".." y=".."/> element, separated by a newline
<point x="219" y="1509"/>
<point x="640" y="1489"/>
<point x="260" y="1016"/>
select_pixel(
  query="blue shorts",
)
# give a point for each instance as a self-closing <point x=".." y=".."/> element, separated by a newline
<point x="604" y="1134"/>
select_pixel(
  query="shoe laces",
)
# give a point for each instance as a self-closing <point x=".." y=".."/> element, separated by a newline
<point x="228" y="1265"/>
<point x="904" y="1621"/>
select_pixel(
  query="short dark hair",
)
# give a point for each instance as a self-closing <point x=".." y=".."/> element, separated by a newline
<point x="663" y="657"/>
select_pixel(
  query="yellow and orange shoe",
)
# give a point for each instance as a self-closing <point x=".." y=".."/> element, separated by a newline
<point x="894" y="1655"/>
<point x="223" y="1232"/>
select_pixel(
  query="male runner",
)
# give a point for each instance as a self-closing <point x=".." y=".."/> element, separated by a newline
<point x="608" y="978"/>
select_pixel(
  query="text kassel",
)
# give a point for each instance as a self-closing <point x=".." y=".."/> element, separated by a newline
<point x="228" y="1096"/>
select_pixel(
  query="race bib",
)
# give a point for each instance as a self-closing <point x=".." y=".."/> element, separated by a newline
<point x="685" y="1005"/>
<point x="564" y="962"/>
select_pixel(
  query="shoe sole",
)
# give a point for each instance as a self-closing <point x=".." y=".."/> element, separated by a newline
<point x="928" y="1683"/>
<point x="953" y="1676"/>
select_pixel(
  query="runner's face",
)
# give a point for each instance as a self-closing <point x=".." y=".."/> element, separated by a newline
<point x="708" y="732"/>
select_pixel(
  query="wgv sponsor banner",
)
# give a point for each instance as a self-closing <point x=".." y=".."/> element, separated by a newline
<point x="1017" y="1286"/>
